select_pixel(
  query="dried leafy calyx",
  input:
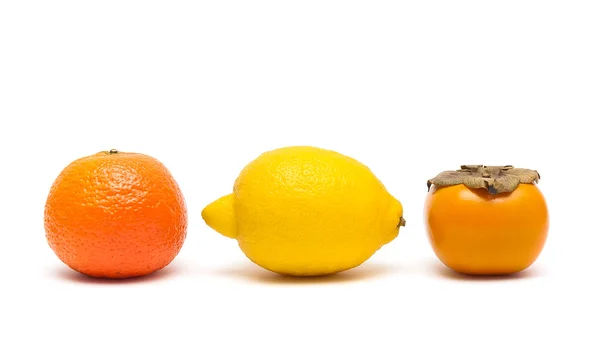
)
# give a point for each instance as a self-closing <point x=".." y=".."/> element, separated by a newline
<point x="495" y="179"/>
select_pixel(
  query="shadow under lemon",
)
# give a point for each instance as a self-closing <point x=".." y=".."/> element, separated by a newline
<point x="251" y="272"/>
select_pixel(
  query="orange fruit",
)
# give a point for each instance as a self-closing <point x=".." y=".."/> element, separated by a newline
<point x="115" y="215"/>
<point x="486" y="220"/>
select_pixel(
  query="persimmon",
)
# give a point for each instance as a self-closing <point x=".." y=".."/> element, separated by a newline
<point x="486" y="220"/>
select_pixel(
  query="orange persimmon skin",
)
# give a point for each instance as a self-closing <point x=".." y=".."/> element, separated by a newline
<point x="474" y="232"/>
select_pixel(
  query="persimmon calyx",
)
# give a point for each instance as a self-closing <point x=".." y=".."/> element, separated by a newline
<point x="495" y="179"/>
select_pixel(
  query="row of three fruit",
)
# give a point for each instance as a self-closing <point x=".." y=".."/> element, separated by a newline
<point x="300" y="211"/>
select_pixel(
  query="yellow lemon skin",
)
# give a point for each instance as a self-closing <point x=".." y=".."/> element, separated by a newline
<point x="306" y="211"/>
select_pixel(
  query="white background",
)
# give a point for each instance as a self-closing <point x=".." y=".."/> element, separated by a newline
<point x="408" y="88"/>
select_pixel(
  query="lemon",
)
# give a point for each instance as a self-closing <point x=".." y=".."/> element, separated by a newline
<point x="307" y="211"/>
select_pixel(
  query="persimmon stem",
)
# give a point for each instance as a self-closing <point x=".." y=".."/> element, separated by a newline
<point x="113" y="152"/>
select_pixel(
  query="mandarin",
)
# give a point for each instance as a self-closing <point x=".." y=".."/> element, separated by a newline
<point x="115" y="215"/>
